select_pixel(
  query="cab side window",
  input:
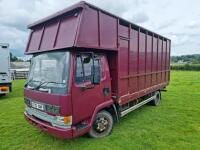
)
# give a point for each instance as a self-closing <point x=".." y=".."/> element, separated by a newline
<point x="84" y="64"/>
<point x="79" y="70"/>
<point x="83" y="68"/>
<point x="87" y="65"/>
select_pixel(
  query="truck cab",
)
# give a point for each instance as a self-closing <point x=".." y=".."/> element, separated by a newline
<point x="5" y="74"/>
<point x="64" y="89"/>
<point x="89" y="68"/>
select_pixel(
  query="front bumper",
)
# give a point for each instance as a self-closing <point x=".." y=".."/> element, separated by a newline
<point x="55" y="131"/>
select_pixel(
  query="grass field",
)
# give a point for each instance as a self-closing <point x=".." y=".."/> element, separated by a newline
<point x="173" y="125"/>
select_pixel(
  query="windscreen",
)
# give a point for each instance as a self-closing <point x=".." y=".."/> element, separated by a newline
<point x="49" y="71"/>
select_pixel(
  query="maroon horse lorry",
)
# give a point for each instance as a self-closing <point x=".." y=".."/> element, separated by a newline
<point x="89" y="69"/>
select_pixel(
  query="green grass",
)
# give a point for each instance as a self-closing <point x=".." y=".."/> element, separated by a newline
<point x="173" y="125"/>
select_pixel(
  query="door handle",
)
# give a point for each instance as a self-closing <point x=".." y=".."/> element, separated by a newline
<point x="84" y="87"/>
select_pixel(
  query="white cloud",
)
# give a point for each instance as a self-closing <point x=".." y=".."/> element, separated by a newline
<point x="179" y="23"/>
<point x="193" y="24"/>
<point x="138" y="17"/>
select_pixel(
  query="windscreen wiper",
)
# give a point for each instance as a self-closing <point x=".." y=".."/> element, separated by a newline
<point x="31" y="80"/>
<point x="45" y="82"/>
<point x="27" y="83"/>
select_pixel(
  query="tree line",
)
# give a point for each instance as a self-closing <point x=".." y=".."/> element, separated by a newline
<point x="186" y="62"/>
<point x="14" y="58"/>
<point x="190" y="59"/>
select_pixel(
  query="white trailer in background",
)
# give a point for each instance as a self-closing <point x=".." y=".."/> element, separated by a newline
<point x="5" y="74"/>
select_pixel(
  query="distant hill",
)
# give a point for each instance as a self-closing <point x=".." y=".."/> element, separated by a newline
<point x="191" y="59"/>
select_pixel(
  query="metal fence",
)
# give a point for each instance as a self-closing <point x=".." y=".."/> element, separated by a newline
<point x="19" y="73"/>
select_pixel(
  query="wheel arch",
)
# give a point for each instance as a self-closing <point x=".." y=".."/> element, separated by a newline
<point x="108" y="106"/>
<point x="113" y="111"/>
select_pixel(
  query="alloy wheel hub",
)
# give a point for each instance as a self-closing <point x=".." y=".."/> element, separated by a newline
<point x="101" y="124"/>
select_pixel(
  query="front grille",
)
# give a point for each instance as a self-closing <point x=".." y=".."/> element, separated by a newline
<point x="47" y="107"/>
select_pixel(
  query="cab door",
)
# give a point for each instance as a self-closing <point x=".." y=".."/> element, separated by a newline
<point x="85" y="95"/>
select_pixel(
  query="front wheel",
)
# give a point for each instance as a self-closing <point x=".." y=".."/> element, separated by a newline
<point x="102" y="125"/>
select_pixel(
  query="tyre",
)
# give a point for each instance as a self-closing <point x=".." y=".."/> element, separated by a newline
<point x="156" y="101"/>
<point x="102" y="125"/>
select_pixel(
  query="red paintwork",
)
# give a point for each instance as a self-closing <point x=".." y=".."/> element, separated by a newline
<point x="59" y="100"/>
<point x="67" y="133"/>
<point x="58" y="132"/>
<point x="136" y="61"/>
<point x="85" y="102"/>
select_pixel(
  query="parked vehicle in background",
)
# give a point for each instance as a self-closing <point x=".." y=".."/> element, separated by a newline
<point x="5" y="75"/>
<point x="89" y="69"/>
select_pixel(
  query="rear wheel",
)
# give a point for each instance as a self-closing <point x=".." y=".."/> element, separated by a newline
<point x="156" y="100"/>
<point x="102" y="125"/>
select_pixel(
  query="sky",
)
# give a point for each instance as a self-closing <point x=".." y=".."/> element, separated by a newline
<point x="178" y="20"/>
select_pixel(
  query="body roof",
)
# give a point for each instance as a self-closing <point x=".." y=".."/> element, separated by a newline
<point x="82" y="4"/>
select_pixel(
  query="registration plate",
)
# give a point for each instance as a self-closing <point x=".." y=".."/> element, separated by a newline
<point x="37" y="105"/>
